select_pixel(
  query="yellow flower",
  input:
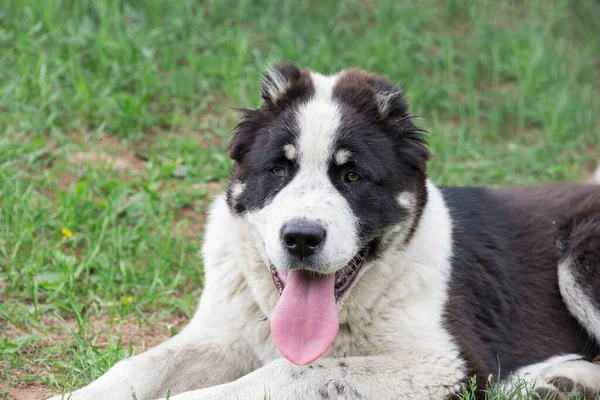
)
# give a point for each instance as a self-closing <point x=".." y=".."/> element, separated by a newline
<point x="66" y="233"/>
<point x="127" y="300"/>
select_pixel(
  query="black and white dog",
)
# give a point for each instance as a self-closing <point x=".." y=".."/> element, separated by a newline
<point x="336" y="270"/>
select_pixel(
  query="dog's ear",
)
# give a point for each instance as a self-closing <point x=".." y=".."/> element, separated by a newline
<point x="244" y="134"/>
<point x="277" y="80"/>
<point x="390" y="99"/>
<point x="393" y="108"/>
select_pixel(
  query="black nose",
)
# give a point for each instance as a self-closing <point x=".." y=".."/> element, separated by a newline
<point x="302" y="238"/>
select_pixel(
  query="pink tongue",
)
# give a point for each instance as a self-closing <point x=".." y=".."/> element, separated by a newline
<point x="305" y="321"/>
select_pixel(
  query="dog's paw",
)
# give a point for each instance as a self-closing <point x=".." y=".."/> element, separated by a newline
<point x="570" y="381"/>
<point x="565" y="389"/>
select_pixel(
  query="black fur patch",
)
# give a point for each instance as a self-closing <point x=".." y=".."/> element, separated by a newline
<point x="259" y="139"/>
<point x="505" y="308"/>
<point x="388" y="148"/>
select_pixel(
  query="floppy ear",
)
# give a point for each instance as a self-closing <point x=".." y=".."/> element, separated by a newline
<point x="277" y="80"/>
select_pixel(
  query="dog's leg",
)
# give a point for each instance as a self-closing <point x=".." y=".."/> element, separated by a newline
<point x="414" y="375"/>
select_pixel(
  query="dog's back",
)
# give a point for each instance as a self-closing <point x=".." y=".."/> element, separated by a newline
<point x="505" y="307"/>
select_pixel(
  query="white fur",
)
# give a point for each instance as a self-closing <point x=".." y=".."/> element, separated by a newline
<point x="318" y="122"/>
<point x="290" y="152"/>
<point x="237" y="188"/>
<point x="400" y="232"/>
<point x="578" y="302"/>
<point x="407" y="200"/>
<point x="342" y="156"/>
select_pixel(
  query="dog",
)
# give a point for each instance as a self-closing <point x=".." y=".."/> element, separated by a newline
<point x="335" y="269"/>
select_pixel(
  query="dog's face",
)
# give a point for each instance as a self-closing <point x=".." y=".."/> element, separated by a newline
<point x="328" y="171"/>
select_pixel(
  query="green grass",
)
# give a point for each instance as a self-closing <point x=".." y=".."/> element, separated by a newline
<point x="508" y="89"/>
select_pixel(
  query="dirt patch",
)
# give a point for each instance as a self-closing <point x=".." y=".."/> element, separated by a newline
<point x="118" y="163"/>
<point x="107" y="150"/>
<point x="143" y="337"/>
<point x="212" y="142"/>
<point x="190" y="222"/>
<point x="65" y="179"/>
<point x="215" y="117"/>
<point x="204" y="138"/>
<point x="33" y="391"/>
<point x="212" y="187"/>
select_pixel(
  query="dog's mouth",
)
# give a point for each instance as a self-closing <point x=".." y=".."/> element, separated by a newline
<point x="344" y="278"/>
<point x="305" y="321"/>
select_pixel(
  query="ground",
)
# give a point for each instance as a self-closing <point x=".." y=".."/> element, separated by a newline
<point x="115" y="118"/>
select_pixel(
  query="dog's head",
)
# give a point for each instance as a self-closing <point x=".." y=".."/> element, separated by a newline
<point x="328" y="172"/>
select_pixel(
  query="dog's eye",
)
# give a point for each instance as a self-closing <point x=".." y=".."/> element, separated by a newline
<point x="352" y="177"/>
<point x="278" y="171"/>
